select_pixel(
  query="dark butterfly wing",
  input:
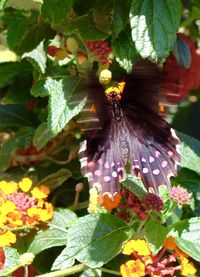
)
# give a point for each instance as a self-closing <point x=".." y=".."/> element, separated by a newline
<point x="142" y="137"/>
<point x="143" y="87"/>
<point x="153" y="149"/>
<point x="154" y="154"/>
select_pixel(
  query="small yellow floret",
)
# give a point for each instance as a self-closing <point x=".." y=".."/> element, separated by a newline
<point x="140" y="246"/>
<point x="7" y="238"/>
<point x="25" y="184"/>
<point x="7" y="207"/>
<point x="187" y="267"/>
<point x="38" y="194"/>
<point x="8" y="187"/>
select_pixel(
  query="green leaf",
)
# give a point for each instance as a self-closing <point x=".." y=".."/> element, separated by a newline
<point x="15" y="116"/>
<point x="63" y="218"/>
<point x="22" y="139"/>
<point x="55" y="11"/>
<point x="37" y="57"/>
<point x="39" y="89"/>
<point x="17" y="26"/>
<point x="36" y="33"/>
<point x="87" y="29"/>
<point x="187" y="234"/>
<point x="188" y="179"/>
<point x="124" y="50"/>
<point x="26" y="32"/>
<point x="19" y="91"/>
<point x="42" y="136"/>
<point x="154" y="25"/>
<point x="155" y="234"/>
<point x="190" y="152"/>
<point x="23" y="5"/>
<point x="46" y="239"/>
<point x="7" y="72"/>
<point x="56" y="179"/>
<point x="111" y="16"/>
<point x="182" y="53"/>
<point x="2" y="4"/>
<point x="94" y="240"/>
<point x="12" y="261"/>
<point x="81" y="7"/>
<point x="135" y="185"/>
<point x="56" y="235"/>
<point x="191" y="248"/>
<point x="61" y="107"/>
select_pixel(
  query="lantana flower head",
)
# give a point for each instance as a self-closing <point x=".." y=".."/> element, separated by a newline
<point x="180" y="195"/>
<point x="100" y="49"/>
<point x="22" y="205"/>
<point x="133" y="268"/>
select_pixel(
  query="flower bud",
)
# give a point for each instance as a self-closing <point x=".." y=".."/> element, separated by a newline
<point x="72" y="44"/>
<point x="79" y="187"/>
<point x="27" y="258"/>
<point x="105" y="76"/>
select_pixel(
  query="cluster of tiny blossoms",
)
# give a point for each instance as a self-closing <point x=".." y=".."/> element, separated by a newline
<point x="100" y="49"/>
<point x="180" y="195"/>
<point x="21" y="205"/>
<point x="166" y="263"/>
<point x="130" y="204"/>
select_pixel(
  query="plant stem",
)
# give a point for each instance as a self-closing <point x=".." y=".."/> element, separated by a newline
<point x="110" y="271"/>
<point x="140" y="227"/>
<point x="26" y="271"/>
<point x="65" y="272"/>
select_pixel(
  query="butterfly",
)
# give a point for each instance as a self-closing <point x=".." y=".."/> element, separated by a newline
<point x="122" y="126"/>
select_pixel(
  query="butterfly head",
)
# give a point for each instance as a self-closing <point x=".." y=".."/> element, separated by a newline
<point x="114" y="92"/>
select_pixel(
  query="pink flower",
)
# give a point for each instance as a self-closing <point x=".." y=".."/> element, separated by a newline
<point x="180" y="195"/>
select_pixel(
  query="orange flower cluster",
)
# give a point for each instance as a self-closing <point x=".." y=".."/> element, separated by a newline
<point x="21" y="205"/>
<point x="145" y="263"/>
<point x="179" y="81"/>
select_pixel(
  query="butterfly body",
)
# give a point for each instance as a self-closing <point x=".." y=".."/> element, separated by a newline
<point x="129" y="130"/>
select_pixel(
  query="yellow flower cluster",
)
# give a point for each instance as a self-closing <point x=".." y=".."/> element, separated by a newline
<point x="144" y="263"/>
<point x="21" y="205"/>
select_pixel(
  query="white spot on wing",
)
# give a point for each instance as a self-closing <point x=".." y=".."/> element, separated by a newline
<point x="151" y="159"/>
<point x="114" y="174"/>
<point x="145" y="170"/>
<point x="164" y="164"/>
<point x="83" y="162"/>
<point x="83" y="146"/>
<point x="156" y="171"/>
<point x="89" y="176"/>
<point x="107" y="178"/>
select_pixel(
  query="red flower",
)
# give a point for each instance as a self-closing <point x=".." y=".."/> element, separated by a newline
<point x="100" y="49"/>
<point x="153" y="202"/>
<point x="52" y="50"/>
<point x="179" y="81"/>
<point x="2" y="258"/>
